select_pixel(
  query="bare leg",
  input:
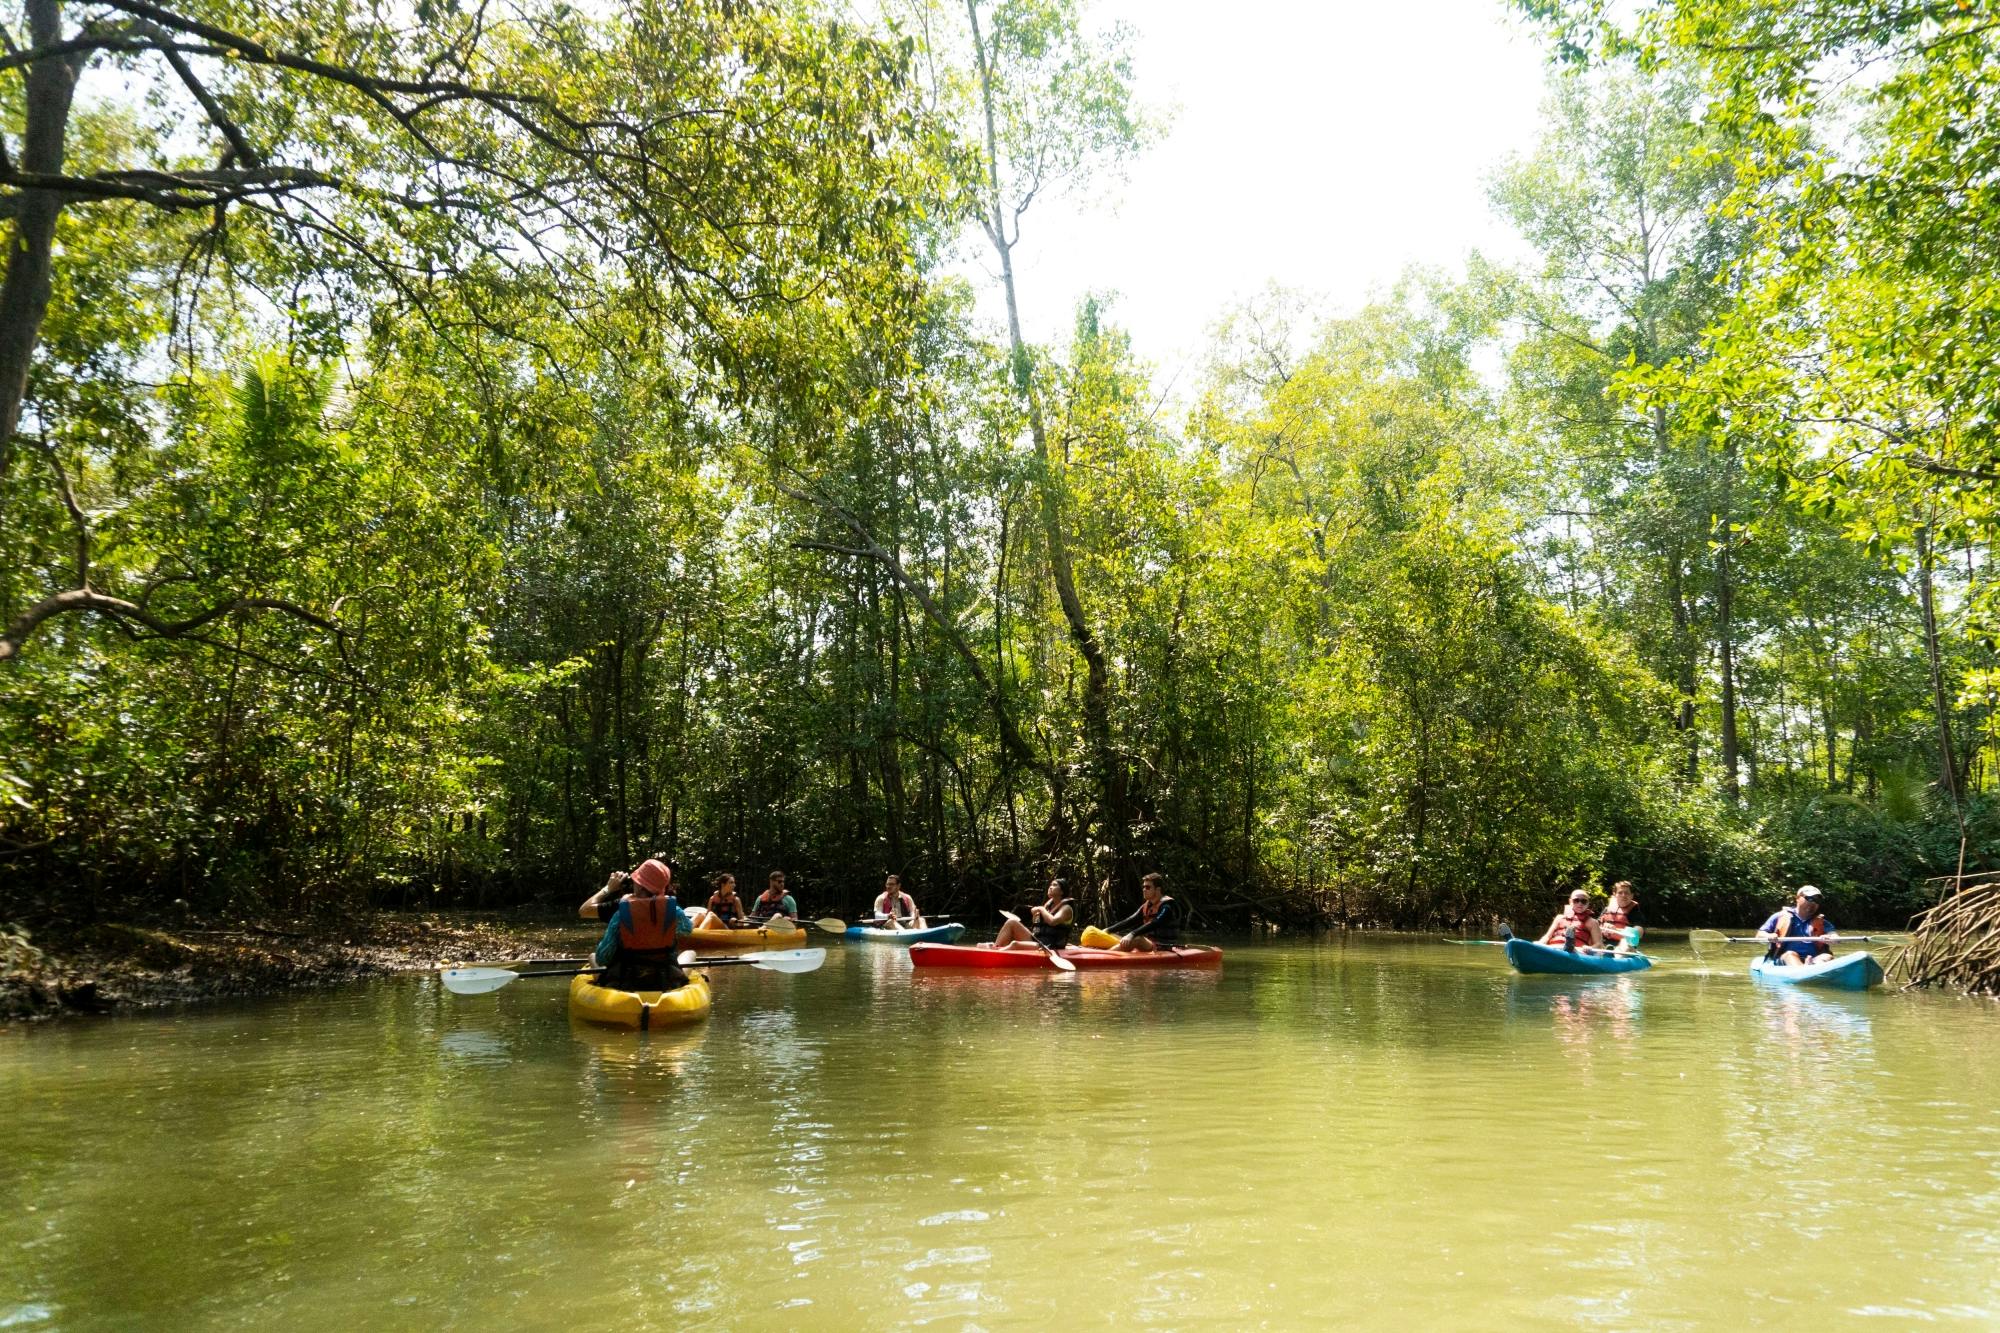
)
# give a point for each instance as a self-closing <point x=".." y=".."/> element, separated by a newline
<point x="1012" y="933"/>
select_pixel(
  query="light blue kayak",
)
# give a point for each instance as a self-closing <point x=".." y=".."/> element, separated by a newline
<point x="1528" y="956"/>
<point x="1854" y="971"/>
<point x="945" y="934"/>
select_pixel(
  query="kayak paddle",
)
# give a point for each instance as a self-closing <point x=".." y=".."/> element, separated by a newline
<point x="774" y="960"/>
<point x="480" y="980"/>
<point x="1062" y="964"/>
<point x="832" y="925"/>
<point x="1698" y="938"/>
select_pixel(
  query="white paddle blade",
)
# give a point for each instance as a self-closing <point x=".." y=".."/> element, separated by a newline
<point x="832" y="925"/>
<point x="690" y="956"/>
<point x="476" y="980"/>
<point x="1010" y="916"/>
<point x="1062" y="964"/>
<point x="787" y="960"/>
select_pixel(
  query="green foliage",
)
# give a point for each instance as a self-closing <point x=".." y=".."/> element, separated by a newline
<point x="450" y="566"/>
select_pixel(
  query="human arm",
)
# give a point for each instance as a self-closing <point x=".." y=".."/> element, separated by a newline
<point x="1121" y="927"/>
<point x="592" y="909"/>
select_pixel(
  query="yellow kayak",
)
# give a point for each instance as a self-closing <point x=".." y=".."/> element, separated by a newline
<point x="751" y="937"/>
<point x="639" y="1009"/>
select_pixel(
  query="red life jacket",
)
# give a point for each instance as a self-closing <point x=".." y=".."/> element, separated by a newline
<point x="1570" y="918"/>
<point x="649" y="929"/>
<point x="1817" y="926"/>
<point x="729" y="907"/>
<point x="769" y="904"/>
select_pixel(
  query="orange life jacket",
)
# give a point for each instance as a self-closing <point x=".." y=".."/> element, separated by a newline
<point x="650" y="927"/>
<point x="1570" y="918"/>
<point x="1613" y="917"/>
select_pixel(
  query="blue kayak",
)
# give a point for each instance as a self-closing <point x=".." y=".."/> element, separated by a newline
<point x="945" y="934"/>
<point x="1854" y="971"/>
<point x="1528" y="956"/>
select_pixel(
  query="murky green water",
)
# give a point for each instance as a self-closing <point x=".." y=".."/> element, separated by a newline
<point x="1370" y="1132"/>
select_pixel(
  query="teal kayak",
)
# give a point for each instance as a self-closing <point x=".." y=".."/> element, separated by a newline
<point x="1854" y="971"/>
<point x="1528" y="956"/>
<point x="945" y="934"/>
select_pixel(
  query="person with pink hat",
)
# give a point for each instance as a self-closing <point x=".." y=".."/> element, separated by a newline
<point x="645" y="925"/>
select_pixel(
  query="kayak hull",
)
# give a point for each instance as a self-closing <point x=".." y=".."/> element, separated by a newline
<point x="607" y="1007"/>
<point x="751" y="937"/>
<point x="981" y="958"/>
<point x="1542" y="959"/>
<point x="1854" y="971"/>
<point x="945" y="934"/>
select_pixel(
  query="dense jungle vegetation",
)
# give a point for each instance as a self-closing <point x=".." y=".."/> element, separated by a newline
<point x="449" y="450"/>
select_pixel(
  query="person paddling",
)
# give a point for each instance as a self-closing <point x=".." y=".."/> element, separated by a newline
<point x="1053" y="917"/>
<point x="1621" y="922"/>
<point x="896" y="909"/>
<point x="725" y="909"/>
<point x="774" y="907"/>
<point x="645" y="926"/>
<point x="1799" y="935"/>
<point x="1575" y="925"/>
<point x="1155" y="925"/>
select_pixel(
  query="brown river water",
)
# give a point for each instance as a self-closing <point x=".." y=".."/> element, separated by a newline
<point x="1360" y="1132"/>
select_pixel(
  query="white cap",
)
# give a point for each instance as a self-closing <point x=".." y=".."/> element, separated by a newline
<point x="1809" y="890"/>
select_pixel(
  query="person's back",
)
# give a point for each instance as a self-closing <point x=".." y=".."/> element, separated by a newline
<point x="643" y="929"/>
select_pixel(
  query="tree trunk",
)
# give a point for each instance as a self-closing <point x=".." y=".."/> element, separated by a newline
<point x="1726" y="649"/>
<point x="1947" y="765"/>
<point x="1684" y="674"/>
<point x="1097" y="685"/>
<point x="49" y="85"/>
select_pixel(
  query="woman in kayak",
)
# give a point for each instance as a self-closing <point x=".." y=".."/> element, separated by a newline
<point x="724" y="910"/>
<point x="774" y="907"/>
<point x="1157" y="922"/>
<point x="1621" y="921"/>
<point x="645" y="927"/>
<point x="1053" y="918"/>
<point x="1575" y="925"/>
<point x="896" y="909"/>
<point x="1799" y="935"/>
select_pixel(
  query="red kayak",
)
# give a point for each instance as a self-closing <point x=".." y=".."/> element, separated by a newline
<point x="973" y="956"/>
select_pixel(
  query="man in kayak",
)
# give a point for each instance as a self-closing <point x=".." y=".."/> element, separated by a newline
<point x="1621" y="922"/>
<point x="1575" y="926"/>
<point x="896" y="909"/>
<point x="1157" y="922"/>
<point x="774" y="907"/>
<point x="1799" y="935"/>
<point x="645" y="926"/>
<point x="724" y="910"/>
<point x="1053" y="918"/>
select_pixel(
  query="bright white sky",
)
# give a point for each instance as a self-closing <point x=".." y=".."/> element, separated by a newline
<point x="1325" y="147"/>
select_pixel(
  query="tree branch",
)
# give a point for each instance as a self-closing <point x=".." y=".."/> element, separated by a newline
<point x="86" y="600"/>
